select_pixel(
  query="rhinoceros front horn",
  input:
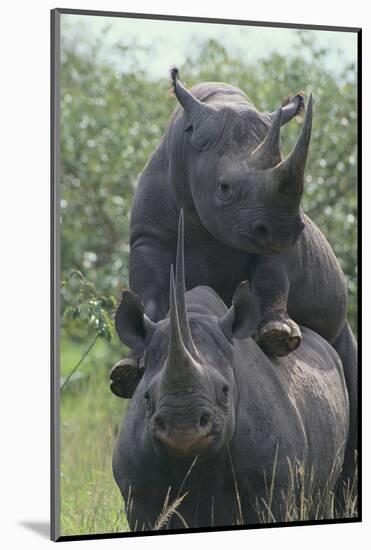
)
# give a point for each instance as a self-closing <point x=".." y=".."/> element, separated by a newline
<point x="289" y="174"/>
<point x="191" y="105"/>
<point x="182" y="351"/>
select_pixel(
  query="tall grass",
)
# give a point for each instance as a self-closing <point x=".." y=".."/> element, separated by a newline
<point x="302" y="500"/>
<point x="90" y="419"/>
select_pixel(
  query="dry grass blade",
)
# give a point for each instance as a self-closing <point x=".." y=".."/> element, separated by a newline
<point x="167" y="499"/>
<point x="168" y="512"/>
<point x="179" y="515"/>
<point x="270" y="513"/>
<point x="187" y="475"/>
<point x="240" y="518"/>
<point x="212" y="511"/>
<point x="273" y="478"/>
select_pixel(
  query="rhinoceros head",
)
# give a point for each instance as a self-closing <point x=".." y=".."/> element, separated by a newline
<point x="187" y="394"/>
<point x="243" y="192"/>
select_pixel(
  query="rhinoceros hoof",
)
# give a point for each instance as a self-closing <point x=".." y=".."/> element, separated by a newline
<point x="279" y="337"/>
<point x="124" y="378"/>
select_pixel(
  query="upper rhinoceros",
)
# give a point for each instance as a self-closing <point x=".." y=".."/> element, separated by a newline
<point x="217" y="424"/>
<point x="220" y="161"/>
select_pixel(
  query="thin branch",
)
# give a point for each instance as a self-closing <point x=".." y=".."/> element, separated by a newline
<point x="79" y="362"/>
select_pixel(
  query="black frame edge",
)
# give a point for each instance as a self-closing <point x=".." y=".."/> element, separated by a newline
<point x="359" y="264"/>
<point x="99" y="536"/>
<point x="195" y="19"/>
<point x="55" y="272"/>
<point x="54" y="276"/>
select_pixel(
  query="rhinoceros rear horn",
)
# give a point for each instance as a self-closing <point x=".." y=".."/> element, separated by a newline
<point x="179" y="363"/>
<point x="268" y="153"/>
<point x="176" y="345"/>
<point x="181" y="290"/>
<point x="289" y="175"/>
<point x="191" y="105"/>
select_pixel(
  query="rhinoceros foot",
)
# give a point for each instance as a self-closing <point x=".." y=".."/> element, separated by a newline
<point x="125" y="377"/>
<point x="279" y="337"/>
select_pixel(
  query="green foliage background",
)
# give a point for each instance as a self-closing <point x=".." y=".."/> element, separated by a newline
<point x="111" y="122"/>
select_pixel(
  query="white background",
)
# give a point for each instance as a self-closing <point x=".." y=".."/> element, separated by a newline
<point x="25" y="265"/>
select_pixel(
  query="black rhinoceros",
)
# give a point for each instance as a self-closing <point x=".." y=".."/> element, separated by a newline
<point x="215" y="426"/>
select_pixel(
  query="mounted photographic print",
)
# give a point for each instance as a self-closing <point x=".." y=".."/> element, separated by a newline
<point x="205" y="188"/>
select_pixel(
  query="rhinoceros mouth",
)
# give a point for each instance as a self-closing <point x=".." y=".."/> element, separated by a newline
<point x="264" y="236"/>
<point x="202" y="448"/>
<point x="269" y="249"/>
<point x="273" y="249"/>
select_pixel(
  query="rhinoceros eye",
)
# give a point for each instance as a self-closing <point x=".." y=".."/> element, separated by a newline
<point x="225" y="393"/>
<point x="224" y="191"/>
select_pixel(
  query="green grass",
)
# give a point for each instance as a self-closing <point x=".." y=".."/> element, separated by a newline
<point x="90" y="419"/>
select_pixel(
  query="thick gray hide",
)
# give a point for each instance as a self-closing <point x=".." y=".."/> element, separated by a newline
<point x="303" y="282"/>
<point x="280" y="410"/>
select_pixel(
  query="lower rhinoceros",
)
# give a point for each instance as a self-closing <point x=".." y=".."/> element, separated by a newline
<point x="215" y="428"/>
<point x="220" y="160"/>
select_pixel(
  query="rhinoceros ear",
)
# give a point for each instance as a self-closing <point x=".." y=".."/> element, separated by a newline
<point x="242" y="318"/>
<point x="291" y="106"/>
<point x="132" y="325"/>
<point x="192" y="106"/>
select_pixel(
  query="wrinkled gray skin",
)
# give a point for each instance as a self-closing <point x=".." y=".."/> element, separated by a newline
<point x="220" y="161"/>
<point x="212" y="404"/>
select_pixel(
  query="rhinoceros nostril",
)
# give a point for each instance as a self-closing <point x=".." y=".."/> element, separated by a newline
<point x="260" y="232"/>
<point x="160" y="424"/>
<point x="204" y="420"/>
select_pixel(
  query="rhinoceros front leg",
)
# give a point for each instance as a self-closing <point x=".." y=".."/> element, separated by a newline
<point x="149" y="279"/>
<point x="277" y="334"/>
<point x="125" y="376"/>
